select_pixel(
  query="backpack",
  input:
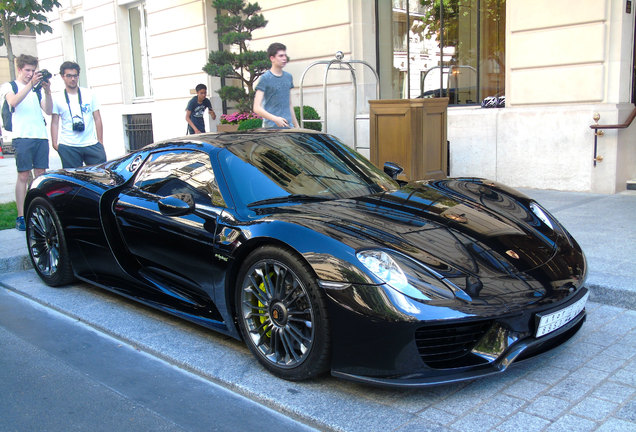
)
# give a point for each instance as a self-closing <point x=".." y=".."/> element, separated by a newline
<point x="8" y="110"/>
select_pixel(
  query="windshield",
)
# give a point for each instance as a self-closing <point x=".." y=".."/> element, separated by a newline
<point x="286" y="167"/>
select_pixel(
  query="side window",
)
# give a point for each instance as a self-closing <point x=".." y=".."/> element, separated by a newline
<point x="180" y="172"/>
<point x="137" y="21"/>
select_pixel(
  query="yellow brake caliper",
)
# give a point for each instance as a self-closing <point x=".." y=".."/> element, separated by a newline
<point x="262" y="308"/>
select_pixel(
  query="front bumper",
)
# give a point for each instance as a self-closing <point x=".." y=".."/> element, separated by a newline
<point x="379" y="340"/>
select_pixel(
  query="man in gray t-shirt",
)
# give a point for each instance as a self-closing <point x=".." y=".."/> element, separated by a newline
<point x="272" y="100"/>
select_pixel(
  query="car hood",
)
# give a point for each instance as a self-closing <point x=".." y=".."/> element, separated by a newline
<point x="429" y="219"/>
<point x="465" y="230"/>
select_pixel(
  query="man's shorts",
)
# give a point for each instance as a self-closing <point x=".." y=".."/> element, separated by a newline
<point x="31" y="153"/>
<point x="75" y="157"/>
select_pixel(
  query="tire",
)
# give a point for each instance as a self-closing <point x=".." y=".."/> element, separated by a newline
<point x="47" y="244"/>
<point x="282" y="314"/>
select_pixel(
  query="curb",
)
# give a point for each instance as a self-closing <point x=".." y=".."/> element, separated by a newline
<point x="15" y="263"/>
<point x="612" y="296"/>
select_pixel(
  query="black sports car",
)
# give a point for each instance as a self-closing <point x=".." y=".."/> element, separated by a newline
<point x="320" y="261"/>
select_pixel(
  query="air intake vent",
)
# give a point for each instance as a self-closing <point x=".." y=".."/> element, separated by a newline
<point x="449" y="345"/>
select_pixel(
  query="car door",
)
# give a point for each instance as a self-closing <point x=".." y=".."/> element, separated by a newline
<point x="174" y="245"/>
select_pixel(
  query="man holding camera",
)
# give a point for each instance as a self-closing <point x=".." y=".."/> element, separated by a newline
<point x="81" y="136"/>
<point x="30" y="139"/>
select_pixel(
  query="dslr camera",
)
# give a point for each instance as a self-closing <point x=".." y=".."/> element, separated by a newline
<point x="78" y="124"/>
<point x="46" y="76"/>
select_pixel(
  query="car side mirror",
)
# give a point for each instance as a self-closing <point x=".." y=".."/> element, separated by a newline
<point x="176" y="205"/>
<point x="392" y="169"/>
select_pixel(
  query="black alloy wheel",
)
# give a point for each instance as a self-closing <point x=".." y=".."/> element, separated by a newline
<point x="47" y="244"/>
<point x="282" y="314"/>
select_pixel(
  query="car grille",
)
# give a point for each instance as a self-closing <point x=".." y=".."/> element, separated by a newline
<point x="449" y="345"/>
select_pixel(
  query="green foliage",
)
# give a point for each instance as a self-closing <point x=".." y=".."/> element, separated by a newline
<point x="237" y="94"/>
<point x="309" y="113"/>
<point x="250" y="124"/>
<point x="8" y="213"/>
<point x="452" y="11"/>
<point x="19" y="15"/>
<point x="235" y="24"/>
<point x="432" y="19"/>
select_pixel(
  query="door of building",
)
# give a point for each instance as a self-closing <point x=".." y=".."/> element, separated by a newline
<point x="634" y="67"/>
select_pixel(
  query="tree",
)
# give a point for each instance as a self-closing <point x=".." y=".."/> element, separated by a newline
<point x="235" y="24"/>
<point x="19" y="15"/>
<point x="433" y="16"/>
<point x="492" y="11"/>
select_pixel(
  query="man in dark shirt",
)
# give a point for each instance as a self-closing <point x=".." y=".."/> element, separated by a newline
<point x="196" y="108"/>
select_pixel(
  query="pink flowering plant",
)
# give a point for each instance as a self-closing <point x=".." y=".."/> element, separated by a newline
<point x="238" y="117"/>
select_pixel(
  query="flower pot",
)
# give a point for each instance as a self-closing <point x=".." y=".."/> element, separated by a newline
<point x="226" y="127"/>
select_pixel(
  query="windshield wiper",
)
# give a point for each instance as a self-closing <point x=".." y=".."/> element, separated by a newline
<point x="287" y="198"/>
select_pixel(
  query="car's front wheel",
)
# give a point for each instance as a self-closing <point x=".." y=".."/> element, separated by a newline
<point x="47" y="244"/>
<point x="282" y="314"/>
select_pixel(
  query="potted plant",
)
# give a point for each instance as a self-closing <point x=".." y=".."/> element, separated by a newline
<point x="236" y="20"/>
<point x="253" y="123"/>
<point x="309" y="113"/>
<point x="247" y="121"/>
<point x="231" y="122"/>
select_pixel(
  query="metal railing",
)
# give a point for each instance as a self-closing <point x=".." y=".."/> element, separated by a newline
<point x="598" y="130"/>
<point x="138" y="129"/>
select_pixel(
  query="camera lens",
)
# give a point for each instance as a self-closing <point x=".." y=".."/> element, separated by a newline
<point x="46" y="75"/>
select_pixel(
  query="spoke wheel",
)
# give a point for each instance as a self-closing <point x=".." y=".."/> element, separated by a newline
<point x="282" y="314"/>
<point x="47" y="245"/>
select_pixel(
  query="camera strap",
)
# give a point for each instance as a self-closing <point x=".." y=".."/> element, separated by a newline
<point x="79" y="99"/>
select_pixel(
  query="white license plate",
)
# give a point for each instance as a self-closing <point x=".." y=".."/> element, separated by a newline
<point x="555" y="320"/>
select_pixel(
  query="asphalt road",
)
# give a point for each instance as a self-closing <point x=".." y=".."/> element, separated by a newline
<point x="57" y="374"/>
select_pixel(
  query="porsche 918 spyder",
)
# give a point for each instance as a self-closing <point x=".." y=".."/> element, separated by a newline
<point x="319" y="261"/>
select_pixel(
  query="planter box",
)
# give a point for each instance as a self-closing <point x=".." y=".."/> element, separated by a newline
<point x="226" y="127"/>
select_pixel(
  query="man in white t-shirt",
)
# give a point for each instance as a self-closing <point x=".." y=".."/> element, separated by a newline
<point x="31" y="96"/>
<point x="80" y="139"/>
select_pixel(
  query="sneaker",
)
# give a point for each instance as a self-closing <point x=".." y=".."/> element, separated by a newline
<point x="19" y="224"/>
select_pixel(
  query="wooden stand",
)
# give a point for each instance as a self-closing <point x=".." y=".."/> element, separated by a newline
<point x="411" y="133"/>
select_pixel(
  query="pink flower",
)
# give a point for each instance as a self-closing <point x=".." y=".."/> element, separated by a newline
<point x="237" y="117"/>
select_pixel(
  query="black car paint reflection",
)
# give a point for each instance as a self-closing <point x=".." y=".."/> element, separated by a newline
<point x="295" y="243"/>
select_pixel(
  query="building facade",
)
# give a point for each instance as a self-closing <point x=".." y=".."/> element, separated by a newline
<point x="24" y="44"/>
<point x="557" y="64"/>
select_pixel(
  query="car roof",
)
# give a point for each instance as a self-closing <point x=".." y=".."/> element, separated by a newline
<point x="225" y="139"/>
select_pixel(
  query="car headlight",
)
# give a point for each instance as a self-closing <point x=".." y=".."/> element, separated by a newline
<point x="541" y="214"/>
<point x="404" y="275"/>
<point x="550" y="221"/>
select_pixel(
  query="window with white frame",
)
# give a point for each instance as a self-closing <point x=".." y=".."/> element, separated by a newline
<point x="449" y="48"/>
<point x="78" y="46"/>
<point x="139" y="50"/>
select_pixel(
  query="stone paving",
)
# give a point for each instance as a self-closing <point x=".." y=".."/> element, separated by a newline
<point x="588" y="384"/>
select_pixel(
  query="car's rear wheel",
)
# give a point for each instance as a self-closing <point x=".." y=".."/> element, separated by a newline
<point x="47" y="244"/>
<point x="282" y="314"/>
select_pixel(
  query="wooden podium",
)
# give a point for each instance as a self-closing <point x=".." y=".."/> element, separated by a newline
<point x="411" y="133"/>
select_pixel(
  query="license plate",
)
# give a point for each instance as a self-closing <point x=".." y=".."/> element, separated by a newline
<point x="555" y="320"/>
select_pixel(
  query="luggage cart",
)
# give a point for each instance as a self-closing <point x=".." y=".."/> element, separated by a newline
<point x="339" y="64"/>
